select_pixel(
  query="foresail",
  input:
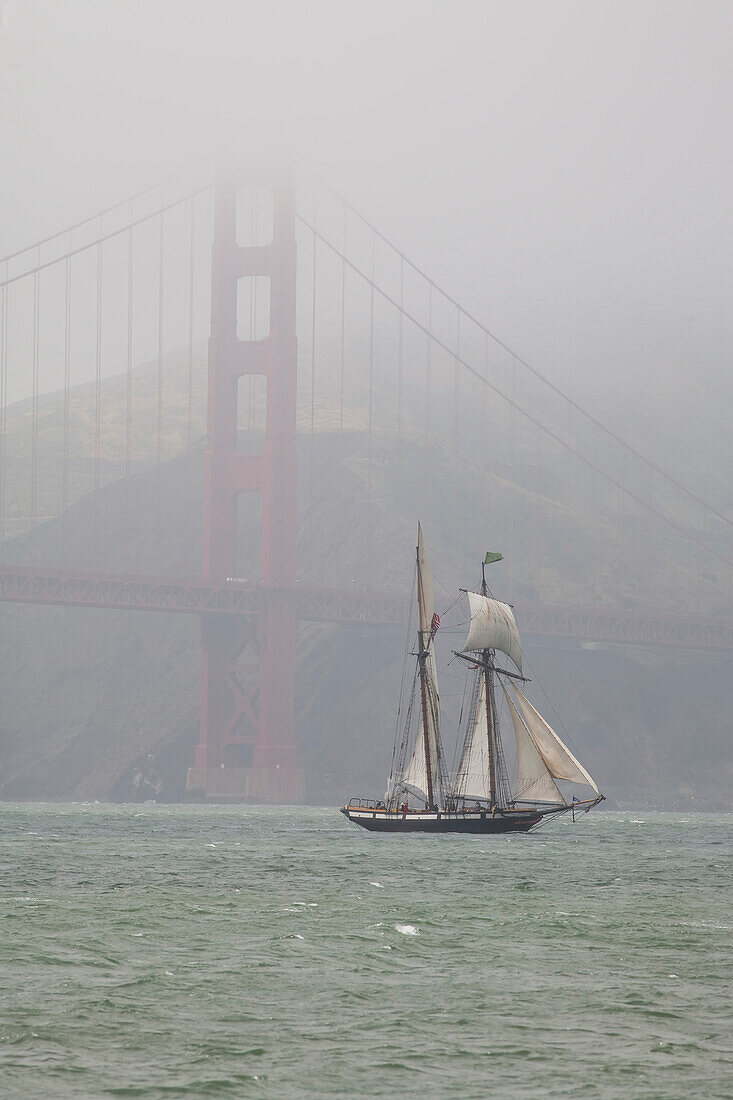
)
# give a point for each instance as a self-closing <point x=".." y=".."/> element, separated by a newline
<point x="493" y="626"/>
<point x="474" y="774"/>
<point x="558" y="758"/>
<point x="534" y="782"/>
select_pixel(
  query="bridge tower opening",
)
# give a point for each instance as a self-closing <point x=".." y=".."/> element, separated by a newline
<point x="246" y="748"/>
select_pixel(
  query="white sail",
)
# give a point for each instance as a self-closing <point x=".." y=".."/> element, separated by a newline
<point x="493" y="626"/>
<point x="416" y="772"/>
<point x="425" y="596"/>
<point x="534" y="782"/>
<point x="558" y="758"/>
<point x="474" y="774"/>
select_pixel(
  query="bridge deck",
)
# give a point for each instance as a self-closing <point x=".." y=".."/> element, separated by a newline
<point x="130" y="593"/>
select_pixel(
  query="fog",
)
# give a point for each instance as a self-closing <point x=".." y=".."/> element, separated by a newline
<point x="562" y="170"/>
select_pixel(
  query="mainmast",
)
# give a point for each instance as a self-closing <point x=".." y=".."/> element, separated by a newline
<point x="422" y="657"/>
<point x="488" y="698"/>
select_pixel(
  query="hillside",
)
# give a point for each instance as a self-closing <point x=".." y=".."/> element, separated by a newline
<point x="100" y="704"/>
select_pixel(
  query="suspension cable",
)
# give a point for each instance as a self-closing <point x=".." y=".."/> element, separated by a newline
<point x="102" y="239"/>
<point x="433" y="339"/>
<point x="519" y="359"/>
<point x="98" y="216"/>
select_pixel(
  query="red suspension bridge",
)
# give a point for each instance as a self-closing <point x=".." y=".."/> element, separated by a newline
<point x="394" y="357"/>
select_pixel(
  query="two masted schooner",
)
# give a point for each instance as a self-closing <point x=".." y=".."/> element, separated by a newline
<point x="478" y="796"/>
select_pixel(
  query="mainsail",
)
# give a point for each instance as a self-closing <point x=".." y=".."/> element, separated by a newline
<point x="541" y="756"/>
<point x="493" y="626"/>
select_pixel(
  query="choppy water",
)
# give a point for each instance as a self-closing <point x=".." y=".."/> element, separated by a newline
<point x="186" y="951"/>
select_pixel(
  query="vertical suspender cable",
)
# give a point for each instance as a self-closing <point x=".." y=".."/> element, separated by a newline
<point x="540" y="510"/>
<point x="429" y="501"/>
<point x="400" y="357"/>
<point x="3" y="403"/>
<point x="456" y="382"/>
<point x="128" y="376"/>
<point x="313" y="326"/>
<point x="400" y="347"/>
<point x="252" y="315"/>
<point x="97" y="402"/>
<point x="67" y="401"/>
<point x="98" y="375"/>
<point x="311" y="442"/>
<point x="456" y="433"/>
<point x="191" y="261"/>
<point x="568" y="458"/>
<point x="159" y="424"/>
<point x="371" y="360"/>
<point x="513" y="452"/>
<point x="34" y="414"/>
<point x="343" y="317"/>
<point x="430" y="357"/>
<point x="484" y="394"/>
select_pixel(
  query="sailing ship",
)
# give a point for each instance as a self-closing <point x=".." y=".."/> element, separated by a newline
<point x="477" y="797"/>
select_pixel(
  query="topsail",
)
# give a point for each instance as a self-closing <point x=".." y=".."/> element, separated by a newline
<point x="493" y="626"/>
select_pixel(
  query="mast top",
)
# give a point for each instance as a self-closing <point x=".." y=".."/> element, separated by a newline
<point x="491" y="557"/>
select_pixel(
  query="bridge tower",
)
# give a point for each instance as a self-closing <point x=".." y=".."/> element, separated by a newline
<point x="246" y="748"/>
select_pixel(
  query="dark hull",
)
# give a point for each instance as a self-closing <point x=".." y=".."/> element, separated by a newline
<point x="381" y="822"/>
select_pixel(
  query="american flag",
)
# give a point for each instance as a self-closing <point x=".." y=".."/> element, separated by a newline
<point x="434" y="625"/>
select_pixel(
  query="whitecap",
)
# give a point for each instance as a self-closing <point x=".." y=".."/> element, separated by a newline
<point x="407" y="929"/>
<point x="377" y="884"/>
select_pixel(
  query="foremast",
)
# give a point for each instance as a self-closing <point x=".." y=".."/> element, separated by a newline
<point x="425" y="636"/>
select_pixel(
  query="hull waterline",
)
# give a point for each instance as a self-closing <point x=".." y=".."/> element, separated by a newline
<point x="411" y="822"/>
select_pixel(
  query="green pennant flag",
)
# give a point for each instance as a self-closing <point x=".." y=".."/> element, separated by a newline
<point x="491" y="558"/>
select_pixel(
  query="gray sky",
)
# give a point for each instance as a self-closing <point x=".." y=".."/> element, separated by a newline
<point x="563" y="169"/>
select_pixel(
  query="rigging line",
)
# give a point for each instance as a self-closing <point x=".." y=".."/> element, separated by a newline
<point x="551" y="705"/>
<point x="533" y="419"/>
<point x="533" y="370"/>
<point x="8" y="280"/>
<point x="98" y="216"/>
<point x="406" y="652"/>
